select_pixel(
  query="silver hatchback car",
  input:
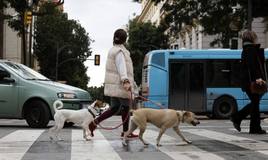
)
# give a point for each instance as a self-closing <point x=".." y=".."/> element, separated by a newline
<point x="26" y="94"/>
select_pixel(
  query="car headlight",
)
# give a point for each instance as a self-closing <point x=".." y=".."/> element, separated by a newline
<point x="66" y="95"/>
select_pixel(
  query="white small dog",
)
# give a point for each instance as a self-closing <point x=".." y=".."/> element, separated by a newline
<point x="80" y="117"/>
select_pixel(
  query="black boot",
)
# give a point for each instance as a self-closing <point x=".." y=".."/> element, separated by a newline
<point x="236" y="123"/>
<point x="256" y="130"/>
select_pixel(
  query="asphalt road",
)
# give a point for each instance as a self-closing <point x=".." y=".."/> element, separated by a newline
<point x="211" y="140"/>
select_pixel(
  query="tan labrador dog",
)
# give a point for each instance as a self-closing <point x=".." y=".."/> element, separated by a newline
<point x="161" y="118"/>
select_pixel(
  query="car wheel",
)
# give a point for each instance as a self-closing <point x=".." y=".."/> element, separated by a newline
<point x="224" y="107"/>
<point x="37" y="114"/>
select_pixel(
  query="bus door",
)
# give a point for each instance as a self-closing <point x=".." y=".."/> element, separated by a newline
<point x="186" y="86"/>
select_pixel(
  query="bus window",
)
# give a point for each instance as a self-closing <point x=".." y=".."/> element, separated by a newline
<point x="235" y="74"/>
<point x="159" y="59"/>
<point x="222" y="73"/>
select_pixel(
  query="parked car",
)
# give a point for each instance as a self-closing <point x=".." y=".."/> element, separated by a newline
<point x="27" y="94"/>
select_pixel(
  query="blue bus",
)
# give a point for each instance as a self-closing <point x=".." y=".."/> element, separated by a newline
<point x="201" y="81"/>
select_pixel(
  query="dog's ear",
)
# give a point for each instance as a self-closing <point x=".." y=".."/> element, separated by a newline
<point x="180" y="115"/>
<point x="185" y="115"/>
<point x="99" y="103"/>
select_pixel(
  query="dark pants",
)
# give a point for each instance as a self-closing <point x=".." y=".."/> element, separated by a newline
<point x="117" y="105"/>
<point x="252" y="109"/>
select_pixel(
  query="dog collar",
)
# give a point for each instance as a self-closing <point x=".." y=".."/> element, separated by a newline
<point x="90" y="111"/>
<point x="182" y="116"/>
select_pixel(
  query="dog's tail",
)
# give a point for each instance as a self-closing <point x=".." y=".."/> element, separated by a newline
<point x="57" y="105"/>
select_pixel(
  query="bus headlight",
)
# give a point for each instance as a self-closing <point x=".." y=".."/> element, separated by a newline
<point x="65" y="95"/>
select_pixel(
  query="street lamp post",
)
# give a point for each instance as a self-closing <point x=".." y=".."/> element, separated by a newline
<point x="250" y="19"/>
<point x="58" y="51"/>
<point x="235" y="26"/>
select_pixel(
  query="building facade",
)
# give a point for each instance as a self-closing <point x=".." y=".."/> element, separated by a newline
<point x="11" y="47"/>
<point x="151" y="12"/>
<point x="193" y="38"/>
<point x="11" y="44"/>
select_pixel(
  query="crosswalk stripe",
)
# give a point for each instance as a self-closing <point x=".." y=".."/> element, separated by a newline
<point x="247" y="143"/>
<point x="14" y="145"/>
<point x="188" y="152"/>
<point x="98" y="148"/>
<point x="243" y="130"/>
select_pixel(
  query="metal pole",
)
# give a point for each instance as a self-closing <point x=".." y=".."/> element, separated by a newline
<point x="58" y="51"/>
<point x="1" y="35"/>
<point x="30" y="45"/>
<point x="24" y="44"/>
<point x="57" y="59"/>
<point x="250" y="15"/>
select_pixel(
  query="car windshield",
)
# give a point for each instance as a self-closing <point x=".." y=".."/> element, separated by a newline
<point x="26" y="72"/>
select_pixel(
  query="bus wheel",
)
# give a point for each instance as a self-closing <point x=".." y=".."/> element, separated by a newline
<point x="37" y="114"/>
<point x="224" y="107"/>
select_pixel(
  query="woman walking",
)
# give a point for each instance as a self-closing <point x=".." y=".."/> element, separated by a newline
<point x="252" y="70"/>
<point x="118" y="83"/>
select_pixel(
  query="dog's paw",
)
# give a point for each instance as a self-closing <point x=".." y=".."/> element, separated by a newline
<point x="188" y="142"/>
<point x="158" y="145"/>
<point x="146" y="144"/>
<point x="87" y="138"/>
<point x="51" y="138"/>
<point x="124" y="143"/>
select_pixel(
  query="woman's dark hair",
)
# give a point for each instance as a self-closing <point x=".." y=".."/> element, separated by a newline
<point x="120" y="36"/>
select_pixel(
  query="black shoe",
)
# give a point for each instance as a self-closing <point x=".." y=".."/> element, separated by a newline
<point x="236" y="124"/>
<point x="261" y="131"/>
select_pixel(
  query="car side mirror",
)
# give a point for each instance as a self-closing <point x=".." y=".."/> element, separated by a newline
<point x="4" y="74"/>
<point x="8" y="80"/>
<point x="5" y="77"/>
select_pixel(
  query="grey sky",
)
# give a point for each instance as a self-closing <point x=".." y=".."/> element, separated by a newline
<point x="100" y="18"/>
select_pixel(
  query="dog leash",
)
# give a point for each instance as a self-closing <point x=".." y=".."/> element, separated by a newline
<point x="112" y="128"/>
<point x="125" y="120"/>
<point x="131" y="105"/>
<point x="147" y="99"/>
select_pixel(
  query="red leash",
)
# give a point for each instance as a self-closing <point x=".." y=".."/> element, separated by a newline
<point x="131" y="105"/>
<point x="112" y="128"/>
<point x="125" y="120"/>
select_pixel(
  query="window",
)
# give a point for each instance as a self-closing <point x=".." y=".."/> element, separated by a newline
<point x="222" y="73"/>
<point x="159" y="59"/>
<point x="3" y="73"/>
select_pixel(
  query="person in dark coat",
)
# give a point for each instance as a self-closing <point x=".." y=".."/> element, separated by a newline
<point x="252" y="69"/>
